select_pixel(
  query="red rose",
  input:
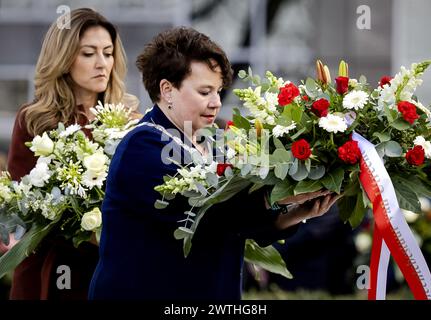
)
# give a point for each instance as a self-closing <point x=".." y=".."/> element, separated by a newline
<point x="385" y="80"/>
<point x="320" y="107"/>
<point x="350" y="152"/>
<point x="229" y="123"/>
<point x="301" y="149"/>
<point x="408" y="110"/>
<point x="416" y="156"/>
<point x="221" y="168"/>
<point x="305" y="98"/>
<point x="342" y="84"/>
<point x="287" y="94"/>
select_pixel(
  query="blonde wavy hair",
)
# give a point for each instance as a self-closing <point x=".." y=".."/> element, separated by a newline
<point x="54" y="100"/>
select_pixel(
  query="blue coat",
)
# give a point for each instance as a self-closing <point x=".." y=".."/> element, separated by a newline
<point x="139" y="256"/>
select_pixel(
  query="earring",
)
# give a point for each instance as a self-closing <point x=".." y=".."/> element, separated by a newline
<point x="169" y="105"/>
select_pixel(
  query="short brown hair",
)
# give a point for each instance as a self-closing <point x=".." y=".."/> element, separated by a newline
<point x="169" y="54"/>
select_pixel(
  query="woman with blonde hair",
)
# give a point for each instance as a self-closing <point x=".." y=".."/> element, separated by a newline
<point x="77" y="67"/>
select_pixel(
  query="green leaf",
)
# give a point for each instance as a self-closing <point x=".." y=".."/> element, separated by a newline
<point x="241" y="122"/>
<point x="383" y="137"/>
<point x="23" y="248"/>
<point x="407" y="198"/>
<point x="316" y="172"/>
<point x="294" y="168"/>
<point x="310" y="85"/>
<point x="346" y="206"/>
<point x="307" y="186"/>
<point x="182" y="232"/>
<point x="267" y="258"/>
<point x="362" y="79"/>
<point x="242" y="74"/>
<point x="358" y="213"/>
<point x="301" y="173"/>
<point x="393" y="149"/>
<point x="333" y="180"/>
<point x="281" y="190"/>
<point x="277" y="143"/>
<point x="390" y="114"/>
<point x="298" y="133"/>
<point x="281" y="170"/>
<point x="160" y="204"/>
<point x="414" y="184"/>
<point x="282" y="156"/>
<point x="400" y="124"/>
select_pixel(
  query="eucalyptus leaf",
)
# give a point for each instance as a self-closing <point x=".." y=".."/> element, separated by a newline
<point x="246" y="168"/>
<point x="182" y="232"/>
<point x="263" y="172"/>
<point x="400" y="124"/>
<point x="281" y="170"/>
<point x="316" y="172"/>
<point x="160" y="204"/>
<point x="277" y="143"/>
<point x="301" y="173"/>
<point x="242" y="74"/>
<point x="202" y="190"/>
<point x="294" y="168"/>
<point x="383" y="137"/>
<point x="393" y="149"/>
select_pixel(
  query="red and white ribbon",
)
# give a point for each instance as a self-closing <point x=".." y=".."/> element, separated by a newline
<point x="392" y="235"/>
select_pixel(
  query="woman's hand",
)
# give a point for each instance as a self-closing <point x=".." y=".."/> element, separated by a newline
<point x="303" y="197"/>
<point x="314" y="207"/>
<point x="4" y="248"/>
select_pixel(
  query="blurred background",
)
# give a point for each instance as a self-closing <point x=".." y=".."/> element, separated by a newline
<point x="284" y="36"/>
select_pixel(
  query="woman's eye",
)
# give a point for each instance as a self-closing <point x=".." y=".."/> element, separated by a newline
<point x="204" y="93"/>
<point x="108" y="54"/>
<point x="87" y="54"/>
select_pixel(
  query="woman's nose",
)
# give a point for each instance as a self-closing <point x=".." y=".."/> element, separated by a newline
<point x="101" y="61"/>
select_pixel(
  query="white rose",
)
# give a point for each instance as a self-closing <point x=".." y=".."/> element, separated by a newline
<point x="95" y="163"/>
<point x="42" y="146"/>
<point x="91" y="220"/>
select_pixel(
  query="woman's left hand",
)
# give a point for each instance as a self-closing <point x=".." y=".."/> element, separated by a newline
<point x="307" y="210"/>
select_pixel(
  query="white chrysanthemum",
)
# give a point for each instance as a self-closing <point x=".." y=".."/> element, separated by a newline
<point x="70" y="130"/>
<point x="333" y="123"/>
<point x="420" y="141"/>
<point x="279" y="131"/>
<point x="39" y="175"/>
<point x="355" y="100"/>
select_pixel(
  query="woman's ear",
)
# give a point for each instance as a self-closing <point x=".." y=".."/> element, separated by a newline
<point x="166" y="91"/>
